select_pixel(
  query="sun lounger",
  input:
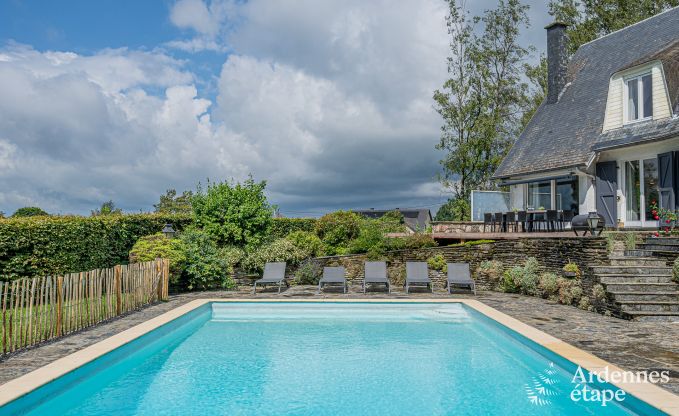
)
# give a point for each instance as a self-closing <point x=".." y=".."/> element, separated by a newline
<point x="274" y="273"/>
<point x="334" y="276"/>
<point x="417" y="274"/>
<point x="376" y="273"/>
<point x="459" y="275"/>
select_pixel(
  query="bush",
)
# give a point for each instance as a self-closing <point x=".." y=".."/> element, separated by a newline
<point x="277" y="250"/>
<point x="40" y="246"/>
<point x="599" y="293"/>
<point x="307" y="242"/>
<point x="455" y="209"/>
<point x="371" y="238"/>
<point x="281" y="227"/>
<point x="675" y="270"/>
<point x="337" y="229"/>
<point x="438" y="262"/>
<point x="412" y="242"/>
<point x="585" y="304"/>
<point x="308" y="273"/>
<point x="523" y="279"/>
<point x="233" y="214"/>
<point x="151" y="247"/>
<point x="569" y="290"/>
<point x="630" y="241"/>
<point x="232" y="255"/>
<point x="548" y="285"/>
<point x="29" y="212"/>
<point x="205" y="269"/>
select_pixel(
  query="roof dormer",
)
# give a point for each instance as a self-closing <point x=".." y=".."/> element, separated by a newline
<point x="637" y="94"/>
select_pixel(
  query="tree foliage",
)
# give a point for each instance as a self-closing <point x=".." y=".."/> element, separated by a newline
<point x="590" y="19"/>
<point x="455" y="209"/>
<point x="171" y="203"/>
<point x="233" y="213"/>
<point x="107" y="208"/>
<point x="29" y="212"/>
<point x="484" y="98"/>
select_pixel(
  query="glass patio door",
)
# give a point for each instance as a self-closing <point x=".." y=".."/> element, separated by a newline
<point x="641" y="189"/>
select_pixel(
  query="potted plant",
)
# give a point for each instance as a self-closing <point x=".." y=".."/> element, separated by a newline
<point x="571" y="270"/>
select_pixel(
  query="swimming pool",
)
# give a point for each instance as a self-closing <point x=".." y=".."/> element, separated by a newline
<point x="325" y="358"/>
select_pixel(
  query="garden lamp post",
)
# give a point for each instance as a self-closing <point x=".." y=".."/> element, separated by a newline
<point x="593" y="222"/>
<point x="168" y="231"/>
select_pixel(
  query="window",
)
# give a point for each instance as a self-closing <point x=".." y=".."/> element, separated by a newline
<point x="639" y="102"/>
<point x="567" y="194"/>
<point x="539" y="195"/>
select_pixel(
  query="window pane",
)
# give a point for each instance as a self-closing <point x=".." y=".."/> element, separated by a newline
<point x="540" y="195"/>
<point x="632" y="190"/>
<point x="567" y="195"/>
<point x="650" y="185"/>
<point x="632" y="99"/>
<point x="647" y="89"/>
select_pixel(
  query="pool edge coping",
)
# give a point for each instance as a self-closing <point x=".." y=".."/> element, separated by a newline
<point x="651" y="394"/>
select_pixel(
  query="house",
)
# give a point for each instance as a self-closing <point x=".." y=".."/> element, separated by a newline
<point x="606" y="138"/>
<point x="415" y="219"/>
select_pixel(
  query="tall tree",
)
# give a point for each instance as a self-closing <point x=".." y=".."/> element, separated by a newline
<point x="591" y="19"/>
<point x="107" y="208"/>
<point x="171" y="203"/>
<point x="483" y="100"/>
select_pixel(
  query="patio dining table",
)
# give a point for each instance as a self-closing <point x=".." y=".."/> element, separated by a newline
<point x="531" y="216"/>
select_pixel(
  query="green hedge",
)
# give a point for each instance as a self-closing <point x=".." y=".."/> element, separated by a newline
<point x="281" y="227"/>
<point x="38" y="246"/>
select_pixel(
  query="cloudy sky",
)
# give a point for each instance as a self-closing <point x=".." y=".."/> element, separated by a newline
<point x="328" y="100"/>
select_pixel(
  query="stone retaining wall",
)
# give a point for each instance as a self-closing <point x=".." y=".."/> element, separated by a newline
<point x="551" y="253"/>
<point x="452" y="227"/>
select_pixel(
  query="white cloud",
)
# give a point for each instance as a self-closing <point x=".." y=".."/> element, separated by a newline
<point x="330" y="101"/>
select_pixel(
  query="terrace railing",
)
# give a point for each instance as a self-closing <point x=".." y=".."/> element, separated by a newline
<point x="34" y="310"/>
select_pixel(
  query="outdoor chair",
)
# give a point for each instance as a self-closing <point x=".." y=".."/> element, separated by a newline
<point x="499" y="220"/>
<point x="552" y="218"/>
<point x="511" y="221"/>
<point x="334" y="276"/>
<point x="522" y="218"/>
<point x="417" y="274"/>
<point x="274" y="273"/>
<point x="376" y="273"/>
<point x="459" y="275"/>
<point x="488" y="221"/>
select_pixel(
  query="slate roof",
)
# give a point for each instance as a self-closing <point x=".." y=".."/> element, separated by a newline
<point x="564" y="134"/>
<point x="415" y="219"/>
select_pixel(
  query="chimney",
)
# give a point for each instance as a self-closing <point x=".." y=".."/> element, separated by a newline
<point x="557" y="60"/>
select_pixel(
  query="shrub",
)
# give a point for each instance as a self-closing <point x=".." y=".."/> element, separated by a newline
<point x="675" y="270"/>
<point x="523" y="279"/>
<point x="308" y="273"/>
<point x="205" y="269"/>
<point x="585" y="304"/>
<point x="417" y="240"/>
<point x="29" y="212"/>
<point x="599" y="293"/>
<point x="438" y="262"/>
<point x="492" y="269"/>
<point x="281" y="227"/>
<point x="548" y="285"/>
<point x="277" y="250"/>
<point x="371" y="238"/>
<point x="307" y="242"/>
<point x="155" y="246"/>
<point x="233" y="213"/>
<point x="610" y="242"/>
<point x="232" y="255"/>
<point x="455" y="209"/>
<point x="39" y="246"/>
<point x="569" y="290"/>
<point x="337" y="229"/>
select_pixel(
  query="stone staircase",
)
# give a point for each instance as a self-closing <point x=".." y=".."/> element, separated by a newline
<point x="640" y="282"/>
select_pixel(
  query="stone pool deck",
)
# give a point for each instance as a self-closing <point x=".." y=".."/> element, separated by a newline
<point x="633" y="346"/>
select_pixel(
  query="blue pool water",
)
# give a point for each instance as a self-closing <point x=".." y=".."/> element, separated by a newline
<point x="322" y="359"/>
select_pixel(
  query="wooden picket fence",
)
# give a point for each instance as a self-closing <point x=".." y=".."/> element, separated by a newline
<point x="38" y="309"/>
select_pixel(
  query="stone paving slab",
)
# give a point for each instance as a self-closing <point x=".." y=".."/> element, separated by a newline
<point x="634" y="346"/>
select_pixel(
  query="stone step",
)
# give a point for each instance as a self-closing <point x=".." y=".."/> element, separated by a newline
<point x="647" y="316"/>
<point x="672" y="248"/>
<point x="634" y="278"/>
<point x="638" y="253"/>
<point x="662" y="240"/>
<point x="645" y="296"/>
<point x="637" y="261"/>
<point x="632" y="270"/>
<point x="650" y="306"/>
<point x="641" y="287"/>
